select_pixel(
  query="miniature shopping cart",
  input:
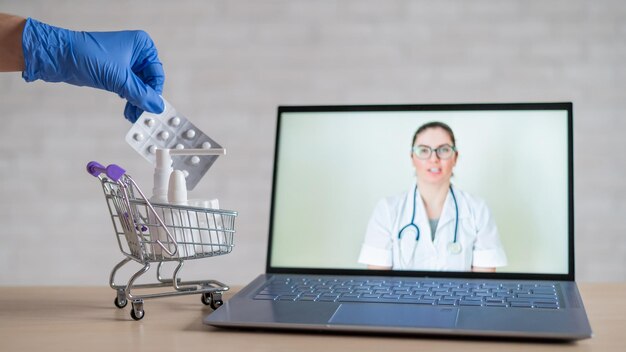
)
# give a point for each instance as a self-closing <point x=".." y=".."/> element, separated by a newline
<point x="149" y="232"/>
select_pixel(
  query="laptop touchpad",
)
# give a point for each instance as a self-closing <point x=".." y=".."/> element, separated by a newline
<point x="394" y="315"/>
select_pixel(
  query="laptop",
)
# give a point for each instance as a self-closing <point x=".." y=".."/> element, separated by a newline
<point x="500" y="263"/>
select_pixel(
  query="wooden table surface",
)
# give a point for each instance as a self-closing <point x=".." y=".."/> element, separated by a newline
<point x="85" y="319"/>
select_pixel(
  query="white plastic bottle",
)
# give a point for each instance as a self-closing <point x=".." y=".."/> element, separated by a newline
<point x="162" y="171"/>
<point x="181" y="219"/>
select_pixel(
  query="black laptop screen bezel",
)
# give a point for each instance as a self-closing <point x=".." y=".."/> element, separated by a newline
<point x="567" y="106"/>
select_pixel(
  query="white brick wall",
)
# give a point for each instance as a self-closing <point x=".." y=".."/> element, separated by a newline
<point x="229" y="63"/>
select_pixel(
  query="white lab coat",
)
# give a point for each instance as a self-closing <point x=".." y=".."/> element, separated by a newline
<point x="477" y="234"/>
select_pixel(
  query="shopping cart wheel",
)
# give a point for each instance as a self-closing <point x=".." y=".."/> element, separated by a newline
<point x="216" y="304"/>
<point x="216" y="300"/>
<point x="137" y="316"/>
<point x="137" y="313"/>
<point x="120" y="303"/>
<point x="206" y="298"/>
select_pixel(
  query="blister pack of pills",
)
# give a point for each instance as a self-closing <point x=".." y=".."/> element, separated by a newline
<point x="172" y="130"/>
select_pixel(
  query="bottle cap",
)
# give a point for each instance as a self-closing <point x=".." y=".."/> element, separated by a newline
<point x="177" y="190"/>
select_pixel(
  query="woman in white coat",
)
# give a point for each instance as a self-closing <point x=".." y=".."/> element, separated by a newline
<point x="434" y="226"/>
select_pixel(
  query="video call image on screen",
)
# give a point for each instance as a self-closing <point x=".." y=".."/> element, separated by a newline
<point x="345" y="191"/>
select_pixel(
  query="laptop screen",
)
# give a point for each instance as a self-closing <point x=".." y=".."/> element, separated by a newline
<point x="424" y="189"/>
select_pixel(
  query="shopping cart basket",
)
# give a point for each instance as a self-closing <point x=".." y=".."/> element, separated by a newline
<point x="149" y="232"/>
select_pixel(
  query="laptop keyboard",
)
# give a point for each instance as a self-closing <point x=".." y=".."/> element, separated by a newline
<point x="428" y="292"/>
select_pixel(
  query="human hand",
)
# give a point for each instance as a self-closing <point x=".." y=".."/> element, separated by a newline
<point x="124" y="62"/>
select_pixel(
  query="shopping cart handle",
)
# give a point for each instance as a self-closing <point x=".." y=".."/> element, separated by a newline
<point x="113" y="171"/>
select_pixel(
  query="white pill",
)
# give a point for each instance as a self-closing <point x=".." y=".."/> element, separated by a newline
<point x="179" y="146"/>
<point x="152" y="149"/>
<point x="138" y="137"/>
<point x="186" y="173"/>
<point x="190" y="134"/>
<point x="175" y="121"/>
<point x="149" y="122"/>
<point x="206" y="145"/>
<point x="164" y="135"/>
<point x="195" y="160"/>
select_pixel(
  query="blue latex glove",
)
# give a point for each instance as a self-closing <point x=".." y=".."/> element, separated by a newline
<point x="124" y="62"/>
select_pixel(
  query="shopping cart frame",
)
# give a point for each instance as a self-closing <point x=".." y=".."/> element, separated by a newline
<point x="149" y="232"/>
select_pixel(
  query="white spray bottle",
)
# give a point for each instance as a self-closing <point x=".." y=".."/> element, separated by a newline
<point x="162" y="171"/>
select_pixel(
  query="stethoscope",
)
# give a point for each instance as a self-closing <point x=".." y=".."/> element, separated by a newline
<point x="453" y="247"/>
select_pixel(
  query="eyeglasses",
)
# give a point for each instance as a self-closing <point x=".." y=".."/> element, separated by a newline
<point x="443" y="152"/>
